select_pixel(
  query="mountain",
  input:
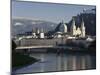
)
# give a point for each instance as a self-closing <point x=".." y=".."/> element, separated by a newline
<point x="22" y="25"/>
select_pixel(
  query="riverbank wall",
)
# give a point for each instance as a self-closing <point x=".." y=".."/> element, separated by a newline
<point x="39" y="42"/>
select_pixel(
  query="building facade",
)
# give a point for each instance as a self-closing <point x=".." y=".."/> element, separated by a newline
<point x="63" y="31"/>
<point x="77" y="31"/>
<point x="63" y="27"/>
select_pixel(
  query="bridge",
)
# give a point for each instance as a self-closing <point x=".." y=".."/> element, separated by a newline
<point x="34" y="47"/>
<point x="44" y="47"/>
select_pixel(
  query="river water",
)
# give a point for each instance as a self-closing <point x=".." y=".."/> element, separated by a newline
<point x="50" y="62"/>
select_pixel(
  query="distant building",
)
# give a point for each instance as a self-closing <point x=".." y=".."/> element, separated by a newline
<point x="63" y="27"/>
<point x="61" y="32"/>
<point x="42" y="34"/>
<point x="79" y="31"/>
<point x="74" y="30"/>
<point x="34" y="34"/>
<point x="58" y="35"/>
<point x="82" y="29"/>
<point x="37" y="31"/>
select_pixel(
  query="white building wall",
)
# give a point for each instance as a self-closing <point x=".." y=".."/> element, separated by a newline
<point x="63" y="28"/>
<point x="78" y="31"/>
<point x="41" y="35"/>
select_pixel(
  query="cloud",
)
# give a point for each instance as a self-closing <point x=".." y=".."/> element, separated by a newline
<point x="33" y="22"/>
<point x="18" y="24"/>
<point x="37" y="22"/>
<point x="52" y="25"/>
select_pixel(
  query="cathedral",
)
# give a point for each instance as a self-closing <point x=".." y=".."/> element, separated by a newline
<point x="63" y="31"/>
<point x="77" y="31"/>
<point x="74" y="31"/>
<point x="63" y="27"/>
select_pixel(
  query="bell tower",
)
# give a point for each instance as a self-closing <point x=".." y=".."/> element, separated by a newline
<point x="73" y="27"/>
<point x="82" y="29"/>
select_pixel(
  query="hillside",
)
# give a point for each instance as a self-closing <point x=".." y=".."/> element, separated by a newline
<point x="20" y="25"/>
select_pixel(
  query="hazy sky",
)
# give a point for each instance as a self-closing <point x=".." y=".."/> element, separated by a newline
<point x="47" y="11"/>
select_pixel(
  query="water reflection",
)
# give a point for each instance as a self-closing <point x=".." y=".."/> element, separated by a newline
<point x="60" y="62"/>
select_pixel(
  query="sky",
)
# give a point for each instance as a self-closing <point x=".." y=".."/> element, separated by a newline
<point x="47" y="11"/>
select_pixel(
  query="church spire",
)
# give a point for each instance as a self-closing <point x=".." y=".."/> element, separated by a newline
<point x="83" y="28"/>
<point x="73" y="21"/>
<point x="73" y="27"/>
<point x="82" y="24"/>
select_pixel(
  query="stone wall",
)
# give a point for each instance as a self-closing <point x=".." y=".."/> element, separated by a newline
<point x="34" y="42"/>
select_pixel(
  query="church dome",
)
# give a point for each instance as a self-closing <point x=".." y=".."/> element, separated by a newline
<point x="63" y="27"/>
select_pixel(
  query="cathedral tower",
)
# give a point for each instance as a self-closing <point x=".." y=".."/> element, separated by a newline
<point x="82" y="29"/>
<point x="73" y="27"/>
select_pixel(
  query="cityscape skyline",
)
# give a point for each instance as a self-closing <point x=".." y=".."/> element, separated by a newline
<point x="47" y="11"/>
<point x="52" y="37"/>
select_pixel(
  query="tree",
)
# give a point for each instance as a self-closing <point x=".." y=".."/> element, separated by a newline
<point x="13" y="46"/>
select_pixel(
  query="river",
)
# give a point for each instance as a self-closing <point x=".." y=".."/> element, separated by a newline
<point x="50" y="62"/>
